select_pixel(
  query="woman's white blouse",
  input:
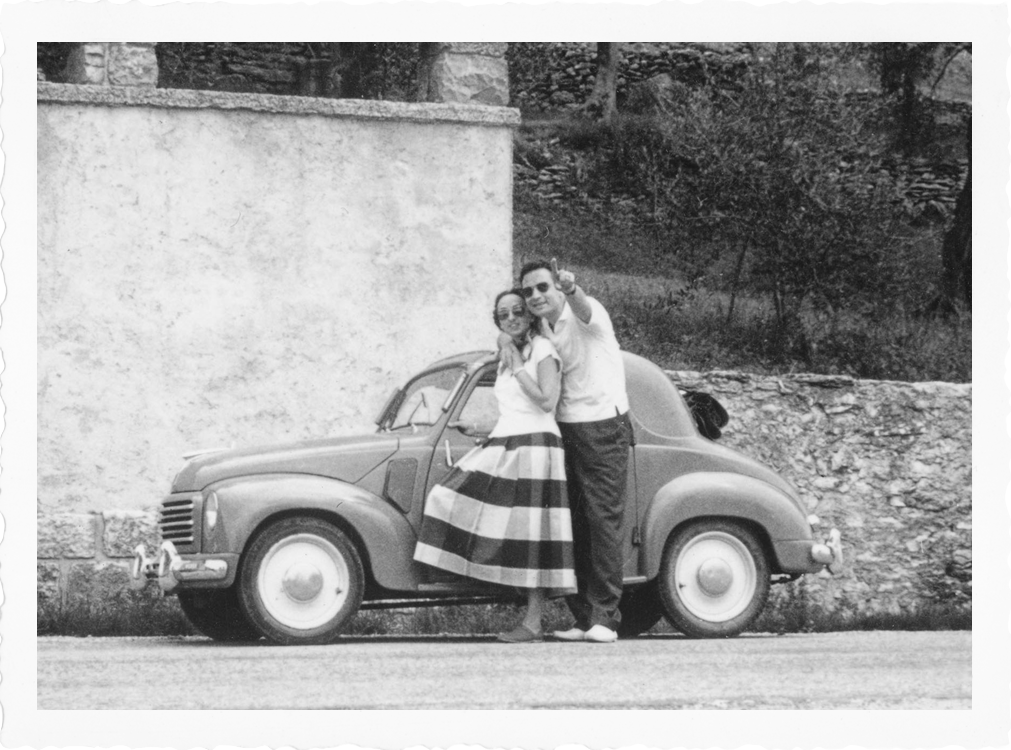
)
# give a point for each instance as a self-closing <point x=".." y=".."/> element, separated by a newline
<point x="518" y="414"/>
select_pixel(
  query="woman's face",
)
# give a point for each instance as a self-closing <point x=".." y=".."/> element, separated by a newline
<point x="512" y="315"/>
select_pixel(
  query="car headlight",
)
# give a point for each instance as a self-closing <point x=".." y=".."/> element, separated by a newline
<point x="210" y="511"/>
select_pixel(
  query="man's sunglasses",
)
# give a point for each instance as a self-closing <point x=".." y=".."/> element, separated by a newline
<point x="528" y="291"/>
<point x="504" y="314"/>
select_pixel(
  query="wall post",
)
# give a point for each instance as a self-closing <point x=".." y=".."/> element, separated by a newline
<point x="464" y="73"/>
<point x="113" y="64"/>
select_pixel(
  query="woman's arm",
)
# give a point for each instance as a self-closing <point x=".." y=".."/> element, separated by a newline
<point x="545" y="389"/>
<point x="508" y="353"/>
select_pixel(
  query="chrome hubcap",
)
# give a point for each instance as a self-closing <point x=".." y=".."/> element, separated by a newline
<point x="302" y="582"/>
<point x="715" y="576"/>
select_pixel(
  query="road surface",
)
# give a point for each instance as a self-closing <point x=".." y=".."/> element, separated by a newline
<point x="880" y="670"/>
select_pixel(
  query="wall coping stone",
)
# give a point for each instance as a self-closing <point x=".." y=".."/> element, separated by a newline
<point x="819" y="381"/>
<point x="360" y="109"/>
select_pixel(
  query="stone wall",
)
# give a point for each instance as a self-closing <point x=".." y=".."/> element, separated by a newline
<point x="887" y="463"/>
<point x="551" y="76"/>
<point x="218" y="269"/>
<point x="558" y="77"/>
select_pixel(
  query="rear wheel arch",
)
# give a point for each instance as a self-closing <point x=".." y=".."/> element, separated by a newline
<point x="749" y="523"/>
<point x="769" y="514"/>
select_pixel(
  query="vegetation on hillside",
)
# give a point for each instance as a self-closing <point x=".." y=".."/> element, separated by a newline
<point x="754" y="227"/>
<point x="739" y="211"/>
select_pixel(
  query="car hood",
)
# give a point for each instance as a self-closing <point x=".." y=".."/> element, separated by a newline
<point x="345" y="458"/>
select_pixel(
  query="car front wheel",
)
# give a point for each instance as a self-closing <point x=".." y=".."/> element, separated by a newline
<point x="640" y="610"/>
<point x="301" y="581"/>
<point x="714" y="578"/>
<point x="217" y="614"/>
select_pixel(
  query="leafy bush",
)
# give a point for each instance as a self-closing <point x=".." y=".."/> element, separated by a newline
<point x="787" y="174"/>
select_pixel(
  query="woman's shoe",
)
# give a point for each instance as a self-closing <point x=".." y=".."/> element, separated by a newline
<point x="521" y="634"/>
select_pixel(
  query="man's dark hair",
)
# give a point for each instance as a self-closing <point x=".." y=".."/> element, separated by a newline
<point x="533" y="265"/>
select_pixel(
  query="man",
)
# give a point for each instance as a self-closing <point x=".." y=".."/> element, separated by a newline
<point x="593" y="418"/>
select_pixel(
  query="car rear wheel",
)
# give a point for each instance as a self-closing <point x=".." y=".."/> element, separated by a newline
<point x="714" y="579"/>
<point x="301" y="581"/>
<point x="640" y="610"/>
<point x="217" y="614"/>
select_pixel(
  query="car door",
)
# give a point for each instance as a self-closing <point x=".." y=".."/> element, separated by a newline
<point x="471" y="420"/>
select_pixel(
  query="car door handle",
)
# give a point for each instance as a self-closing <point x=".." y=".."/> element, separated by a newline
<point x="449" y="455"/>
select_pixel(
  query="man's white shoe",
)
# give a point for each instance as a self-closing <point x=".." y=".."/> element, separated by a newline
<point x="600" y="634"/>
<point x="572" y="634"/>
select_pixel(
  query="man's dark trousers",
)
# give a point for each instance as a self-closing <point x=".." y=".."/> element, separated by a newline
<point x="596" y="469"/>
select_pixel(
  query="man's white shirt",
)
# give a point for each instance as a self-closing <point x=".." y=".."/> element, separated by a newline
<point x="593" y="374"/>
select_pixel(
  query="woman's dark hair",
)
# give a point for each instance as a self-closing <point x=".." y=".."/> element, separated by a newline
<point x="494" y="310"/>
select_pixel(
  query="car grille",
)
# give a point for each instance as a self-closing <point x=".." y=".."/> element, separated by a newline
<point x="175" y="520"/>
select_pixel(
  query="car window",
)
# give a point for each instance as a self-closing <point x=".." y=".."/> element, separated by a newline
<point x="480" y="413"/>
<point x="424" y="398"/>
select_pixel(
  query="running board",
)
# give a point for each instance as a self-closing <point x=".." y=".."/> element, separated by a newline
<point x="444" y="601"/>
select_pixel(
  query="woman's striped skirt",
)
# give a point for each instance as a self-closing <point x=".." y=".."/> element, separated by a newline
<point x="502" y="515"/>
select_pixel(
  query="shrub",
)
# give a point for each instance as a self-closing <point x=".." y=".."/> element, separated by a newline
<point x="787" y="175"/>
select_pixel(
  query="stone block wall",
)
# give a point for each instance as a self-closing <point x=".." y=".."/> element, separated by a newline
<point x="887" y="463"/>
<point x="86" y="556"/>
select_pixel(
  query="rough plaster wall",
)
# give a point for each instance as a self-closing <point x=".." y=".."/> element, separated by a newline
<point x="210" y="278"/>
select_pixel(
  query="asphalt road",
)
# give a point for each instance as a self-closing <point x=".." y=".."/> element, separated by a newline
<point x="886" y="670"/>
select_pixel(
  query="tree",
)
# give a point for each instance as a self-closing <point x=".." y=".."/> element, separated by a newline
<point x="602" y="103"/>
<point x="903" y="68"/>
<point x="787" y="172"/>
<point x="956" y="252"/>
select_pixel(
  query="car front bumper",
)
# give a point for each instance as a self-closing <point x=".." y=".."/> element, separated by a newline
<point x="173" y="571"/>
<point x="811" y="556"/>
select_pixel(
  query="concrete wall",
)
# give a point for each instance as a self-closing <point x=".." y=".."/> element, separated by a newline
<point x="218" y="269"/>
<point x="887" y="463"/>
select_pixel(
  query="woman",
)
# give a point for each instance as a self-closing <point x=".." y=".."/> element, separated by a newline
<point x="501" y="515"/>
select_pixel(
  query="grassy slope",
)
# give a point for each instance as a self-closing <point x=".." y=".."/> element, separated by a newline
<point x="636" y="276"/>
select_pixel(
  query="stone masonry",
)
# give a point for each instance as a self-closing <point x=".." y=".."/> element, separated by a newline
<point x="113" y="64"/>
<point x="887" y="463"/>
<point x="464" y="73"/>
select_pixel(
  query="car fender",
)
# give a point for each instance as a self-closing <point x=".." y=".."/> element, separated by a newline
<point x="718" y="494"/>
<point x="380" y="531"/>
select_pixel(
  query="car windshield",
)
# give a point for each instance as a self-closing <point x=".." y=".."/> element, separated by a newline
<point x="421" y="401"/>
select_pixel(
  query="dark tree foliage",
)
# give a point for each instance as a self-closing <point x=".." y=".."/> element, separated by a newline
<point x="788" y="174"/>
<point x="904" y="68"/>
<point x="51" y="58"/>
<point x="956" y="253"/>
<point x="360" y="70"/>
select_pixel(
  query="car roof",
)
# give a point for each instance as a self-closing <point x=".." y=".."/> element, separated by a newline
<point x="655" y="402"/>
<point x="466" y="358"/>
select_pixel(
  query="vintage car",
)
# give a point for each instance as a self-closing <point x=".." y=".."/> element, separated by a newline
<point x="289" y="542"/>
